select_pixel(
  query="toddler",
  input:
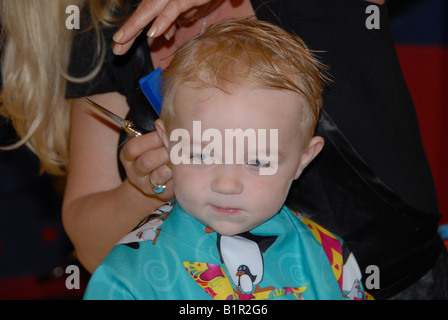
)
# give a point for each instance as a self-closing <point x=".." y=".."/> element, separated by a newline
<point x="240" y="106"/>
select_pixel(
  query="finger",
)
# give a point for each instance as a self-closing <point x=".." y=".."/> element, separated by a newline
<point x="137" y="146"/>
<point x="146" y="11"/>
<point x="170" y="13"/>
<point x="119" y="49"/>
<point x="168" y="193"/>
<point x="151" y="160"/>
<point x="170" y="32"/>
<point x="156" y="167"/>
<point x="162" y="174"/>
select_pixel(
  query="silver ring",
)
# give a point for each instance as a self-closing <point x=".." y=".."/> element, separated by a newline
<point x="156" y="187"/>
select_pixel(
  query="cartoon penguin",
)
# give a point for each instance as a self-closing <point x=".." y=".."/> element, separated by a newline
<point x="246" y="279"/>
<point x="147" y="230"/>
<point x="243" y="256"/>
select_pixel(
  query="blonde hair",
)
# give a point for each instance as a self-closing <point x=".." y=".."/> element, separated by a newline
<point x="35" y="58"/>
<point x="248" y="52"/>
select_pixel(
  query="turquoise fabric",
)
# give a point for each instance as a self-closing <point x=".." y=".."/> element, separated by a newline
<point x="173" y="256"/>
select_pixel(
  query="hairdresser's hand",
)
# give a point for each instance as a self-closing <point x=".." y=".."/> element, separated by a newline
<point x="145" y="156"/>
<point x="166" y="11"/>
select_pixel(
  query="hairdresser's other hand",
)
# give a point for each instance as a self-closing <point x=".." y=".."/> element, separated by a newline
<point x="166" y="11"/>
<point x="145" y="156"/>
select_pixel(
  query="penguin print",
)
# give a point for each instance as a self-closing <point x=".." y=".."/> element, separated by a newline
<point x="149" y="228"/>
<point x="243" y="256"/>
<point x="246" y="279"/>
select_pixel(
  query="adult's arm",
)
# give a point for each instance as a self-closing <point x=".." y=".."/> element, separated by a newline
<point x="99" y="208"/>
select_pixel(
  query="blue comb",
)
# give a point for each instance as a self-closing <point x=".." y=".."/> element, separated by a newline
<point x="151" y="86"/>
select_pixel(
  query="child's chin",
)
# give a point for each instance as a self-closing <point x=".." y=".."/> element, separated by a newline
<point x="226" y="230"/>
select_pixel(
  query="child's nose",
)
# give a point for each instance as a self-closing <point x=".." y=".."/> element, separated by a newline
<point x="227" y="179"/>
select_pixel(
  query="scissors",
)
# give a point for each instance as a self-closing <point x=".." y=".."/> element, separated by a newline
<point x="126" y="125"/>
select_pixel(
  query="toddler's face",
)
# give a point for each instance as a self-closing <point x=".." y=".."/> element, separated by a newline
<point x="227" y="190"/>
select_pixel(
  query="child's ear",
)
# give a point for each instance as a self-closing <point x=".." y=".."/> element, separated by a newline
<point x="161" y="130"/>
<point x="314" y="147"/>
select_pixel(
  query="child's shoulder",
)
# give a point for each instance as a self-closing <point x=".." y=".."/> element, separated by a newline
<point x="133" y="248"/>
<point x="149" y="228"/>
<point x="317" y="230"/>
<point x="331" y="244"/>
<point x="343" y="263"/>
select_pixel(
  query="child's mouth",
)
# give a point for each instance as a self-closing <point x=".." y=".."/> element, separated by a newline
<point x="227" y="211"/>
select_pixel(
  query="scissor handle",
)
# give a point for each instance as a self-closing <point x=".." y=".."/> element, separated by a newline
<point x="129" y="128"/>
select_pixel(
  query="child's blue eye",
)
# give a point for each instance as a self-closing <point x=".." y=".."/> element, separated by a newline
<point x="201" y="157"/>
<point x="258" y="164"/>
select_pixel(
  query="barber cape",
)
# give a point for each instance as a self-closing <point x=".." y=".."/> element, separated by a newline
<point x="172" y="256"/>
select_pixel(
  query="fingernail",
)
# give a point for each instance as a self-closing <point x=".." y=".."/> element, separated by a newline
<point x="167" y="36"/>
<point x="151" y="32"/>
<point x="118" y="36"/>
<point x="116" y="49"/>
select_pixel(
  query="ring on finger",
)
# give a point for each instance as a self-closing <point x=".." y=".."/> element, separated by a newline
<point x="157" y="187"/>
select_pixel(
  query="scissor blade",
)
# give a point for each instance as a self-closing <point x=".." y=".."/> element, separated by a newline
<point x="127" y="125"/>
<point x="108" y="113"/>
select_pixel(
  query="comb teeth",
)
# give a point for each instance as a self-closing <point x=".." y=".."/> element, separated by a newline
<point x="151" y="86"/>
